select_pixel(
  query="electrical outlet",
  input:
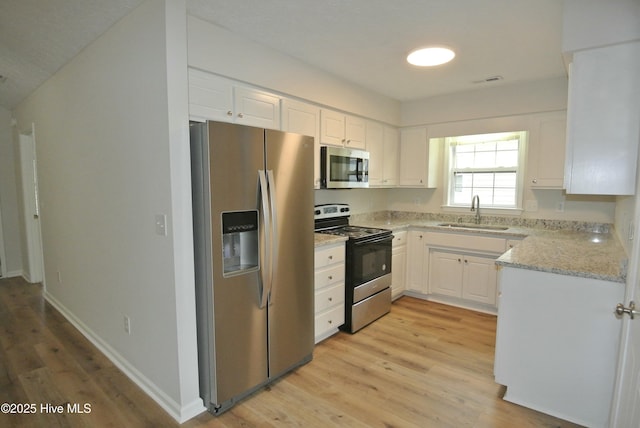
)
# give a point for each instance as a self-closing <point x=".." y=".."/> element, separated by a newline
<point x="560" y="207"/>
<point x="161" y="224"/>
<point x="127" y="324"/>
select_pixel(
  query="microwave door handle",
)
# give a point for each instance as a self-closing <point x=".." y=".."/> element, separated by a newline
<point x="358" y="164"/>
<point x="274" y="230"/>
<point x="265" y="260"/>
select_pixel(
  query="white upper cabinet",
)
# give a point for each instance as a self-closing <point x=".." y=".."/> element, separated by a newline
<point x="603" y="125"/>
<point x="546" y="145"/>
<point x="304" y="118"/>
<point x="382" y="145"/>
<point x="391" y="147"/>
<point x="338" y="129"/>
<point x="212" y="97"/>
<point x="418" y="159"/>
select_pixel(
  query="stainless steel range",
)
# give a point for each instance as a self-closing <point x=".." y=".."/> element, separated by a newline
<point x="368" y="265"/>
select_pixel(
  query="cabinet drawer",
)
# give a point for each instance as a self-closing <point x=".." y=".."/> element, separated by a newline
<point x="329" y="320"/>
<point x="329" y="297"/>
<point x="330" y="275"/>
<point x="329" y="255"/>
<point x="399" y="238"/>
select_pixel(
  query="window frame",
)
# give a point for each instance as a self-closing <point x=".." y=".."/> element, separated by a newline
<point x="448" y="189"/>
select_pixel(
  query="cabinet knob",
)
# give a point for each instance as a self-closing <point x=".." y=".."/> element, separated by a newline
<point x="240" y="115"/>
<point x="330" y="277"/>
<point x="330" y="322"/>
<point x="459" y="260"/>
<point x="229" y="113"/>
<point x="331" y="299"/>
<point x="534" y="181"/>
<point x="330" y="257"/>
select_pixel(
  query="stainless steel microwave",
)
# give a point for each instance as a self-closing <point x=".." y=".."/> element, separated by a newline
<point x="342" y="168"/>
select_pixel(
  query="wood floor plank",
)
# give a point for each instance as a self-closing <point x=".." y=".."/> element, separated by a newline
<point x="423" y="365"/>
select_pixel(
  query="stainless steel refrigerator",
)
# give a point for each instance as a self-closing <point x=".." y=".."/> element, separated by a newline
<point x="253" y="231"/>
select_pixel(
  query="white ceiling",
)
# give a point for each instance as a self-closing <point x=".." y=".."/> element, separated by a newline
<point x="363" y="41"/>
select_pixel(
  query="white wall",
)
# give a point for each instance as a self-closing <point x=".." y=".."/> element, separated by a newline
<point x="215" y="49"/>
<point x="111" y="156"/>
<point x="9" y="197"/>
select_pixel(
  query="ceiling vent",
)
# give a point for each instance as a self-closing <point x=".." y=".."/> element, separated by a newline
<point x="490" y="79"/>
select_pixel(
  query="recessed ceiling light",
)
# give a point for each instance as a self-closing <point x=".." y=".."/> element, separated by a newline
<point x="428" y="57"/>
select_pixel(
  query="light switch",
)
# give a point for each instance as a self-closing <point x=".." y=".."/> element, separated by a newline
<point x="161" y="224"/>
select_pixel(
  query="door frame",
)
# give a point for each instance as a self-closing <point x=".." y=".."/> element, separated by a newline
<point x="34" y="271"/>
<point x="3" y="254"/>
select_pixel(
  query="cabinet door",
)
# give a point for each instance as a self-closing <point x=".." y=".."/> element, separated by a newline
<point x="419" y="159"/>
<point x="391" y="145"/>
<point x="602" y="121"/>
<point x="398" y="269"/>
<point x="303" y="118"/>
<point x="545" y="163"/>
<point x="445" y="273"/>
<point x="256" y="108"/>
<point x="332" y="128"/>
<point x="355" y="133"/>
<point x="416" y="266"/>
<point x="210" y="97"/>
<point x="413" y="157"/>
<point x="376" y="153"/>
<point x="479" y="279"/>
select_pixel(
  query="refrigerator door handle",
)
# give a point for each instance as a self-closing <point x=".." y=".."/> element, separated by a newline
<point x="265" y="261"/>
<point x="274" y="226"/>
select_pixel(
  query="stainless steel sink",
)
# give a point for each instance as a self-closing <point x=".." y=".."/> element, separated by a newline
<point x="474" y="226"/>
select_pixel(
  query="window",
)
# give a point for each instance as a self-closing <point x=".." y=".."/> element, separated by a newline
<point x="486" y="165"/>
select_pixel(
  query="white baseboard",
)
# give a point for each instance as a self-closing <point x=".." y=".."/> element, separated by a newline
<point x="14" y="273"/>
<point x="179" y="413"/>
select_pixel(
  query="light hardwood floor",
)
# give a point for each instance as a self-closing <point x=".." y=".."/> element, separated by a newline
<point x="423" y="365"/>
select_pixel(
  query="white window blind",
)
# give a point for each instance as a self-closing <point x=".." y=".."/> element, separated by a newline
<point x="485" y="165"/>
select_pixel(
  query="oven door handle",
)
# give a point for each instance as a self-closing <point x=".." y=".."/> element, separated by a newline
<point x="375" y="241"/>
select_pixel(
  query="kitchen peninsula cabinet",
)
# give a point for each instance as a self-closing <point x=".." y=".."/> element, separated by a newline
<point x="304" y="118"/>
<point x="419" y="159"/>
<point x="329" y="289"/>
<point x="212" y="97"/>
<point x="602" y="121"/>
<point x="343" y="130"/>
<point x="557" y="342"/>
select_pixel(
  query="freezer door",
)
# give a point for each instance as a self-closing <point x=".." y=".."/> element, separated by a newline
<point x="239" y="334"/>
<point x="291" y="313"/>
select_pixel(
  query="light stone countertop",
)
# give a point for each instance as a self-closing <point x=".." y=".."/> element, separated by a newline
<point x="325" y="239"/>
<point x="579" y="249"/>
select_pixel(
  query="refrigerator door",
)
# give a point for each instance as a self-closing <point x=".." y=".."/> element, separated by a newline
<point x="289" y="164"/>
<point x="239" y="330"/>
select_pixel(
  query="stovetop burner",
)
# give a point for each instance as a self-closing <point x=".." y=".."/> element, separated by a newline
<point x="333" y="219"/>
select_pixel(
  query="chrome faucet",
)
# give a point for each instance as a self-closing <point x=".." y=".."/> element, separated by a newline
<point x="475" y="206"/>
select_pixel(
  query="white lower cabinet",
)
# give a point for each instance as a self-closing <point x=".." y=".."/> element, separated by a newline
<point x="466" y="276"/>
<point x="398" y="264"/>
<point x="329" y="289"/>
<point x="416" y="265"/>
<point x="557" y="342"/>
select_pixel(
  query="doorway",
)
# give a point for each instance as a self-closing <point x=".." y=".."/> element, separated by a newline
<point x="33" y="270"/>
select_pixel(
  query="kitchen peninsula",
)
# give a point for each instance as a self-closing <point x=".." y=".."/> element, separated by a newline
<point x="550" y="276"/>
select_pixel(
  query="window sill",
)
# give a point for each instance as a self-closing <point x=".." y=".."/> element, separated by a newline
<point x="483" y="211"/>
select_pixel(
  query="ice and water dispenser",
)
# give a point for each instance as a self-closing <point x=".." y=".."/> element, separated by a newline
<point x="240" y="243"/>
